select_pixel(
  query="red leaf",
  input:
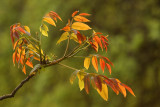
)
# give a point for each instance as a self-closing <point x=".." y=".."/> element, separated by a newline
<point x="107" y="60"/>
<point x="20" y="29"/>
<point x="102" y="64"/>
<point x="86" y="83"/>
<point x="108" y="67"/>
<point x="74" y="13"/>
<point x="110" y="83"/>
<point x="54" y="15"/>
<point x="129" y="89"/>
<point x="104" y="44"/>
<point x="104" y="37"/>
<point x="98" y="82"/>
<point x="97" y="39"/>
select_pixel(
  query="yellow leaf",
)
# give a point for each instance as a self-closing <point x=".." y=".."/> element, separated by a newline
<point x="27" y="28"/>
<point x="49" y="20"/>
<point x="74" y="37"/>
<point x="86" y="62"/>
<point x="104" y="92"/>
<point x="80" y="26"/>
<point x="44" y="29"/>
<point x="81" y="82"/>
<point x="63" y="37"/>
<point x="45" y="33"/>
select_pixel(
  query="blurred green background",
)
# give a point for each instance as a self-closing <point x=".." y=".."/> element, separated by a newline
<point x="133" y="27"/>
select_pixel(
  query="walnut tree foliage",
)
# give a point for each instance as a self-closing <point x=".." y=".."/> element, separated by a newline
<point x="27" y="48"/>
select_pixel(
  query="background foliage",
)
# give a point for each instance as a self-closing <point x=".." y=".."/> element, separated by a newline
<point x="134" y="29"/>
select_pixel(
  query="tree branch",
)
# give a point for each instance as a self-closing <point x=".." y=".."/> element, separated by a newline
<point x="16" y="89"/>
<point x="32" y="75"/>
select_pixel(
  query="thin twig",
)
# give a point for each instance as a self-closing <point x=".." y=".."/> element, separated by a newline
<point x="68" y="66"/>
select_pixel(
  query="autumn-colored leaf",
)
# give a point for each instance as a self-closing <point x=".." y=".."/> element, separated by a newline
<point x="86" y="62"/>
<point x="95" y="46"/>
<point x="29" y="64"/>
<point x="20" y="29"/>
<point x="86" y="83"/>
<point x="111" y="84"/>
<point x="108" y="67"/>
<point x="95" y="63"/>
<point x="102" y="64"/>
<point x="27" y="29"/>
<point x="97" y="39"/>
<point x="74" y="13"/>
<point x="129" y="89"/>
<point x="104" y="92"/>
<point x="63" y="37"/>
<point x="54" y="15"/>
<point x="49" y="20"/>
<point x="81" y="81"/>
<point x="66" y="28"/>
<point x="24" y="69"/>
<point x="122" y="89"/>
<point x="80" y="26"/>
<point x="81" y="19"/>
<point x="84" y="14"/>
<point x="107" y="60"/>
<point x="98" y="82"/>
<point x="73" y="76"/>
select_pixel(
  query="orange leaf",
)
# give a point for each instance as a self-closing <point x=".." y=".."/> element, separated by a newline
<point x="24" y="69"/>
<point x="84" y="14"/>
<point x="66" y="28"/>
<point x="29" y="63"/>
<point x="122" y="89"/>
<point x="97" y="39"/>
<point x="81" y="19"/>
<point x="86" y="83"/>
<point x="95" y="46"/>
<point x="108" y="67"/>
<point x="95" y="63"/>
<point x="13" y="58"/>
<point x="102" y="64"/>
<point x="15" y="44"/>
<point x="74" y="13"/>
<point x="54" y="15"/>
<point x="129" y="89"/>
